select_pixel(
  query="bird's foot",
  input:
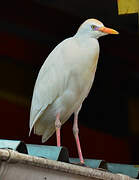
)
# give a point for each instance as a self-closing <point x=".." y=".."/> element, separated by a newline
<point x="80" y="164"/>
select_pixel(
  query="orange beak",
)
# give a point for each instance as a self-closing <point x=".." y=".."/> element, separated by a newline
<point x="107" y="30"/>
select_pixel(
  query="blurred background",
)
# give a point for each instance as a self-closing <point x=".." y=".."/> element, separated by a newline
<point x="109" y="119"/>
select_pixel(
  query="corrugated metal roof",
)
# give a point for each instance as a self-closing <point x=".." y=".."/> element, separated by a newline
<point x="31" y="165"/>
<point x="52" y="158"/>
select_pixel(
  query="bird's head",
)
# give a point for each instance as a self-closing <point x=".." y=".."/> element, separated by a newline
<point x="94" y="28"/>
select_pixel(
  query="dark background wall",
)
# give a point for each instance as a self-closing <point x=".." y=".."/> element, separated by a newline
<point x="109" y="119"/>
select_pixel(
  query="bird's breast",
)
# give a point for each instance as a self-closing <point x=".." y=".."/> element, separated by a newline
<point x="82" y="73"/>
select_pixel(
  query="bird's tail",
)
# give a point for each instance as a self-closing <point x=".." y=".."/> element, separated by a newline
<point x="48" y="133"/>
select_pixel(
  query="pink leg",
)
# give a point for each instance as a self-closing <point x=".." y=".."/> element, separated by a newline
<point x="76" y="135"/>
<point x="58" y="126"/>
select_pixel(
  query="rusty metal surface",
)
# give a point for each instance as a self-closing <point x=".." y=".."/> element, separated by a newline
<point x="61" y="154"/>
<point x="16" y="171"/>
<point x="19" y="166"/>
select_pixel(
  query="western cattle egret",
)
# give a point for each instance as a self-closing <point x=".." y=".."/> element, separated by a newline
<point x="64" y="81"/>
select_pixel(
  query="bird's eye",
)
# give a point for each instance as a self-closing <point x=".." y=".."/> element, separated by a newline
<point x="94" y="27"/>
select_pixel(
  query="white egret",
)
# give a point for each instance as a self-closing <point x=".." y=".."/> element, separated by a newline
<point x="64" y="81"/>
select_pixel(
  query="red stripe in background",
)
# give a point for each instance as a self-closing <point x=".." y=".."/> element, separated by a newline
<point x="21" y="49"/>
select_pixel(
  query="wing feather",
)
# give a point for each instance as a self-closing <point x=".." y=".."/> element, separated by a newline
<point x="49" y="84"/>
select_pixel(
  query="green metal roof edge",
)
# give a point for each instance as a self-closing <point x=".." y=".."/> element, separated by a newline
<point x="61" y="154"/>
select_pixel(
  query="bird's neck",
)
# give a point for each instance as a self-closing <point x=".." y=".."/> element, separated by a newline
<point x="81" y="34"/>
<point x="86" y="40"/>
<point x="89" y="48"/>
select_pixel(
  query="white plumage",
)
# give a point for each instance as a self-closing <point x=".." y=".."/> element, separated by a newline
<point x="65" y="78"/>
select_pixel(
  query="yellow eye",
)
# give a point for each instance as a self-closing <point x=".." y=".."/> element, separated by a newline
<point x="94" y="27"/>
